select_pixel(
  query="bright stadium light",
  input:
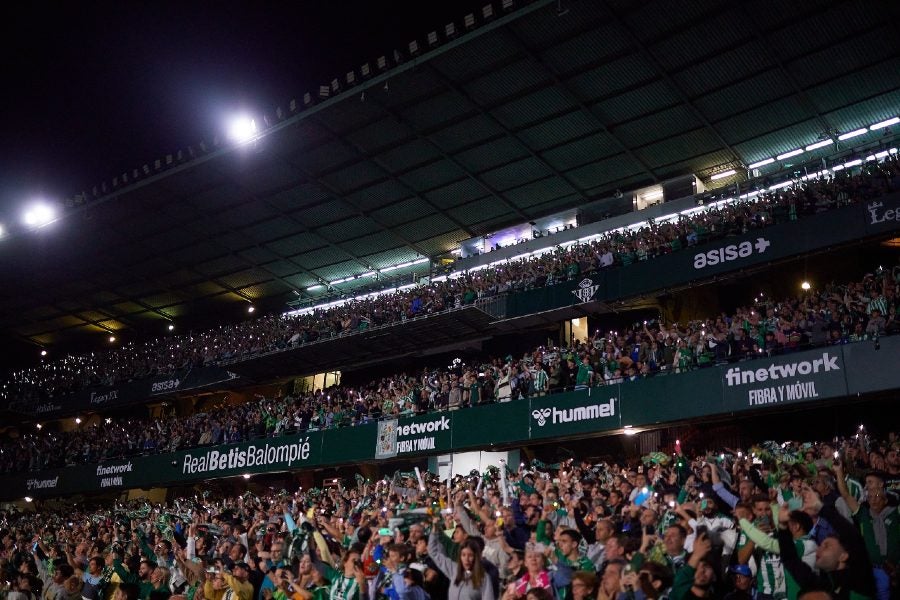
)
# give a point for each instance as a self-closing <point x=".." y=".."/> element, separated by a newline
<point x="762" y="163"/>
<point x="39" y="215"/>
<point x="852" y="134"/>
<point x="723" y="174"/>
<point x="884" y="124"/>
<point x="821" y="144"/>
<point x="242" y="129"/>
<point x="790" y="154"/>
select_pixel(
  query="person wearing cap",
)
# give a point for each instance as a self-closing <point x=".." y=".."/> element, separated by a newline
<point x="238" y="588"/>
<point x="742" y="577"/>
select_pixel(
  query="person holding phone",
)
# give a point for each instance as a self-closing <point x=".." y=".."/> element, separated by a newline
<point x="468" y="579"/>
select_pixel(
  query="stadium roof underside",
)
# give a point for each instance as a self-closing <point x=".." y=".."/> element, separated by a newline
<point x="527" y="113"/>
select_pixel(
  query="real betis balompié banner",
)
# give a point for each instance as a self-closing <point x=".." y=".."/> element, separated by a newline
<point x="788" y="378"/>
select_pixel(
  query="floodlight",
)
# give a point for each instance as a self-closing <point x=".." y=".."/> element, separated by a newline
<point x="886" y="123"/>
<point x="762" y="163"/>
<point x="821" y="144"/>
<point x="171" y="327"/>
<point x="790" y="154"/>
<point x="28" y="498"/>
<point x="78" y="420"/>
<point x="112" y="339"/>
<point x="246" y="476"/>
<point x="43" y="353"/>
<point x="242" y="129"/>
<point x="251" y="308"/>
<point x="39" y="426"/>
<point x="853" y="134"/>
<point x="805" y="285"/>
<point x="723" y="174"/>
<point x="39" y="215"/>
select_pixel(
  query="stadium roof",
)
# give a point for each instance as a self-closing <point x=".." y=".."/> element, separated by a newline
<point x="529" y="111"/>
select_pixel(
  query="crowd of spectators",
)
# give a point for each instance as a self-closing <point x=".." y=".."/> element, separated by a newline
<point x="837" y="314"/>
<point x="613" y="249"/>
<point x="795" y="520"/>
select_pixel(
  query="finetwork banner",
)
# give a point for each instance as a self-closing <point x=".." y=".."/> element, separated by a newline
<point x="795" y="377"/>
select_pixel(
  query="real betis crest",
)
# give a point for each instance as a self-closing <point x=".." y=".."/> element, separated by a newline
<point x="586" y="290"/>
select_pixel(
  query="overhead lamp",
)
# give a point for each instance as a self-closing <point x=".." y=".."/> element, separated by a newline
<point x="242" y="129"/>
<point x="39" y="215"/>
<point x="251" y="308"/>
<point x="884" y="124"/>
<point x="723" y="174"/>
<point x="852" y="134"/>
<point x="762" y="163"/>
<point x="789" y="154"/>
<point x="171" y="327"/>
<point x="28" y="498"/>
<point x="39" y="426"/>
<point x="78" y="420"/>
<point x="805" y="285"/>
<point x="629" y="430"/>
<point x="112" y="339"/>
<point x="108" y="420"/>
<point x="43" y="353"/>
<point x="318" y="286"/>
<point x="246" y="475"/>
<point x="821" y="144"/>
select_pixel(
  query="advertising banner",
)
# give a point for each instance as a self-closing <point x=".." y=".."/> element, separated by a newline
<point x="882" y="215"/>
<point x="591" y="410"/>
<point x="431" y="433"/>
<point x="790" y="378"/>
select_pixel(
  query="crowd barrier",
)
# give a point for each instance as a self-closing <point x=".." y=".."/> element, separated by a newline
<point x="764" y="384"/>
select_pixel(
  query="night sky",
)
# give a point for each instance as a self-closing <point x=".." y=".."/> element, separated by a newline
<point x="95" y="89"/>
